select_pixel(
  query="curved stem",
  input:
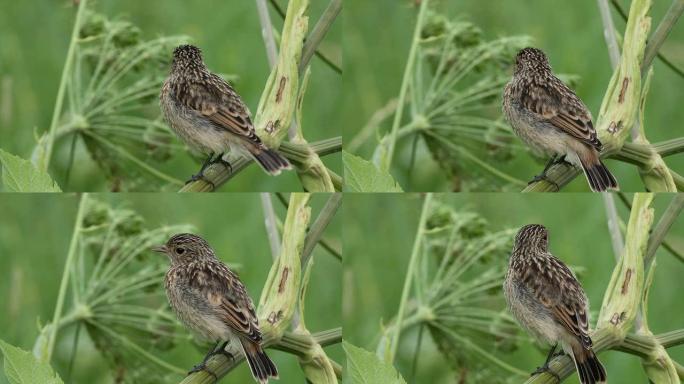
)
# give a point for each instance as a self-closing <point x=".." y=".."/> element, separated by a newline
<point x="415" y="254"/>
<point x="387" y="160"/>
<point x="57" y="112"/>
<point x="68" y="267"/>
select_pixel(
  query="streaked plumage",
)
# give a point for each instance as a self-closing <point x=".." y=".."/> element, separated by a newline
<point x="208" y="115"/>
<point x="549" y="117"/>
<point x="211" y="300"/>
<point x="548" y="301"/>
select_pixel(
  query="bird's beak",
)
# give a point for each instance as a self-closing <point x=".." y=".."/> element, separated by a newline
<point x="160" y="249"/>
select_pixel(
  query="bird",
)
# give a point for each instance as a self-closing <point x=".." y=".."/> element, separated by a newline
<point x="212" y="302"/>
<point x="209" y="116"/>
<point x="548" y="301"/>
<point x="550" y="118"/>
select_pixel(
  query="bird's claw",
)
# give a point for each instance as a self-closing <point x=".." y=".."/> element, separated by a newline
<point x="545" y="369"/>
<point x="543" y="177"/>
<point x="200" y="176"/>
<point x="202" y="367"/>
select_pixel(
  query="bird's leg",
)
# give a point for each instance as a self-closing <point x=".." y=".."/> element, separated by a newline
<point x="200" y="175"/>
<point x="219" y="159"/>
<point x="222" y="351"/>
<point x="545" y="367"/>
<point x="203" y="365"/>
<point x="542" y="176"/>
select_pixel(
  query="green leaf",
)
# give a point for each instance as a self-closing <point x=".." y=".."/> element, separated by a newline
<point x="364" y="367"/>
<point x="19" y="175"/>
<point x="362" y="176"/>
<point x="21" y="367"/>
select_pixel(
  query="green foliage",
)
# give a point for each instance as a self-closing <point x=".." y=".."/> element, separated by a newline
<point x="363" y="176"/>
<point x="364" y="367"/>
<point x="21" y="367"/>
<point x="19" y="175"/>
<point x="457" y="293"/>
<point x="112" y="101"/>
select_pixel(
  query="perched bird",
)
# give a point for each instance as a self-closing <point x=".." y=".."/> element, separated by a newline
<point x="550" y="118"/>
<point x="548" y="301"/>
<point x="211" y="301"/>
<point x="209" y="116"/>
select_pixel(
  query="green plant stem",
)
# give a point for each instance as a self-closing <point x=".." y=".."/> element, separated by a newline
<point x="290" y="342"/>
<point x="319" y="31"/>
<point x="609" y="33"/>
<point x="271" y="224"/>
<point x="658" y="37"/>
<point x="413" y="261"/>
<point x="613" y="224"/>
<point x="320" y="224"/>
<point x="44" y="163"/>
<point x="662" y="58"/>
<point x="335" y="67"/>
<point x="663" y="226"/>
<point x="386" y="161"/>
<point x="267" y="33"/>
<point x="68" y="266"/>
<point x="219" y="174"/>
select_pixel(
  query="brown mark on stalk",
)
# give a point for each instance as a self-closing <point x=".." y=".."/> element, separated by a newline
<point x="625" y="284"/>
<point x="274" y="317"/>
<point x="283" y="280"/>
<point x="614" y="127"/>
<point x="623" y="90"/>
<point x="617" y="318"/>
<point x="281" y="88"/>
<point x="271" y="126"/>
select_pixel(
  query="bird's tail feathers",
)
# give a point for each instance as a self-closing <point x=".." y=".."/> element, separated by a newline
<point x="271" y="161"/>
<point x="589" y="368"/>
<point x="259" y="363"/>
<point x="599" y="177"/>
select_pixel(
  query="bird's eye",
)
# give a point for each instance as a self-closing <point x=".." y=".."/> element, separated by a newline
<point x="180" y="250"/>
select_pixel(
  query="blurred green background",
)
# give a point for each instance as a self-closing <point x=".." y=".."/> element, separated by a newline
<point x="34" y="237"/>
<point x="570" y="32"/>
<point x="379" y="233"/>
<point x="34" y="36"/>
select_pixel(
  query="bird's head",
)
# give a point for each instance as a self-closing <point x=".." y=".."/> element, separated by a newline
<point x="531" y="60"/>
<point x="532" y="236"/>
<point x="187" y="55"/>
<point x="185" y="247"/>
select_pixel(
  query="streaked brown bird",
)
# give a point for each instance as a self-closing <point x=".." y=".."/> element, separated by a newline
<point x="208" y="115"/>
<point x="548" y="301"/>
<point x="211" y="301"/>
<point x="549" y="117"/>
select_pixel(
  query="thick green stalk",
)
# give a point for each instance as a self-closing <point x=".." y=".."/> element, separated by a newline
<point x="43" y="162"/>
<point x="68" y="267"/>
<point x="390" y="353"/>
<point x="385" y="161"/>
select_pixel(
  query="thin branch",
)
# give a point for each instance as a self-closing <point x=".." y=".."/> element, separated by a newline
<point x="613" y="224"/>
<point x="318" y="227"/>
<point x="387" y="160"/>
<point x="658" y="37"/>
<point x="61" y="296"/>
<point x="609" y="33"/>
<point x="662" y="58"/>
<point x="415" y="252"/>
<point x="270" y="221"/>
<point x="267" y="33"/>
<point x="335" y="67"/>
<point x="44" y="162"/>
<point x="319" y="31"/>
<point x="663" y="226"/>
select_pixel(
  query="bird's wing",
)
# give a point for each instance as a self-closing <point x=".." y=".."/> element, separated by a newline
<point x="229" y="298"/>
<point x="215" y="99"/>
<point x="557" y="289"/>
<point x="561" y="107"/>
